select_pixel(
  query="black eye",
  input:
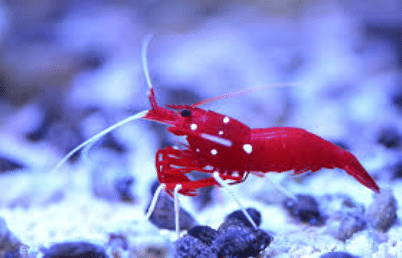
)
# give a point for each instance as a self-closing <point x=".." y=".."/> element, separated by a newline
<point x="185" y="112"/>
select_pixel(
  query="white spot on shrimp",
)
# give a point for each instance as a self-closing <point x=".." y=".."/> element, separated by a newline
<point x="248" y="148"/>
<point x="220" y="132"/>
<point x="216" y="139"/>
<point x="214" y="152"/>
<point x="197" y="149"/>
<point x="226" y="120"/>
<point x="193" y="127"/>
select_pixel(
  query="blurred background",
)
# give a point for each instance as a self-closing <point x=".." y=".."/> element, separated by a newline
<point x="71" y="68"/>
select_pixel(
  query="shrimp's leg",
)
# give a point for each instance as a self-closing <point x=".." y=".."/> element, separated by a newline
<point x="154" y="200"/>
<point x="176" y="205"/>
<point x="177" y="209"/>
<point x="225" y="187"/>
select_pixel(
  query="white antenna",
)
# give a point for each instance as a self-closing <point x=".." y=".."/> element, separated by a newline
<point x="97" y="136"/>
<point x="144" y="51"/>
<point x="89" y="143"/>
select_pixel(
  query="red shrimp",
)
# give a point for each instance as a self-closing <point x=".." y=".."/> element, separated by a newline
<point x="220" y="144"/>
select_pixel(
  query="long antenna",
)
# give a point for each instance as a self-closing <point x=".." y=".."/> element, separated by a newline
<point x="88" y="143"/>
<point x="97" y="136"/>
<point x="144" y="51"/>
<point x="241" y="92"/>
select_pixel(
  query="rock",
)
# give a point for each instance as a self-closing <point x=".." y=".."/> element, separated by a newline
<point x="239" y="215"/>
<point x="342" y="225"/>
<point x="191" y="247"/>
<point x="233" y="239"/>
<point x="381" y="214"/>
<point x="204" y="233"/>
<point x="305" y="209"/>
<point x="338" y="255"/>
<point x="7" y="165"/>
<point x="75" y="250"/>
<point x="241" y="242"/>
<point x="164" y="218"/>
<point x="123" y="187"/>
<point x="390" y="138"/>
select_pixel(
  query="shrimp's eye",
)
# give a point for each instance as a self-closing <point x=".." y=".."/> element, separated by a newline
<point x="185" y="112"/>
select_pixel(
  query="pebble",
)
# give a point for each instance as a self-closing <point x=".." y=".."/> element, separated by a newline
<point x="191" y="247"/>
<point x="239" y="215"/>
<point x="397" y="100"/>
<point x="75" y="250"/>
<point x="230" y="223"/>
<point x="232" y="239"/>
<point x="343" y="225"/>
<point x="123" y="187"/>
<point x="7" y="165"/>
<point x="397" y="169"/>
<point x="381" y="214"/>
<point x="305" y="209"/>
<point x="241" y="242"/>
<point x="390" y="138"/>
<point x="118" y="241"/>
<point x="164" y="218"/>
<point x="204" y="233"/>
<point x="338" y="255"/>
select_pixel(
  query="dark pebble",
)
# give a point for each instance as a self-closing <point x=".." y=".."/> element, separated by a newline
<point x="11" y="255"/>
<point x="7" y="165"/>
<point x="390" y="138"/>
<point x="397" y="169"/>
<point x="93" y="60"/>
<point x="343" y="225"/>
<point x="110" y="142"/>
<point x="52" y="114"/>
<point x="305" y="209"/>
<point x="154" y="186"/>
<point x="338" y="255"/>
<point x="397" y="100"/>
<point x="204" y="233"/>
<point x="123" y="187"/>
<point x="75" y="250"/>
<point x="381" y="214"/>
<point x="230" y="223"/>
<point x="118" y="240"/>
<point x="239" y="215"/>
<point x="241" y="242"/>
<point x="164" y="218"/>
<point x="191" y="247"/>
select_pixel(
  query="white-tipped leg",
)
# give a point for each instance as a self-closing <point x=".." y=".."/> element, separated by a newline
<point x="226" y="188"/>
<point x="97" y="136"/>
<point x="177" y="209"/>
<point x="154" y="200"/>
<point x="144" y="50"/>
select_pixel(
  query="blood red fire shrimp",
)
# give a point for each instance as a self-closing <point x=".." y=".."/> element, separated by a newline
<point x="220" y="145"/>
